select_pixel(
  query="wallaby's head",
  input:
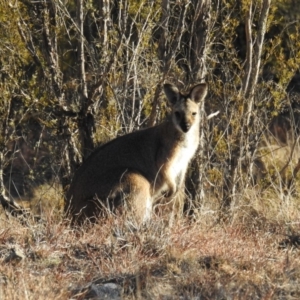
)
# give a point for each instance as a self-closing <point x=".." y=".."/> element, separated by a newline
<point x="185" y="107"/>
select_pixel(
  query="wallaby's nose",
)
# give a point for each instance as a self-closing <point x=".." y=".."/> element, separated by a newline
<point x="185" y="125"/>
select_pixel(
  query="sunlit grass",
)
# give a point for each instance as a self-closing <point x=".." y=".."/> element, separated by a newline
<point x="251" y="254"/>
<point x="239" y="259"/>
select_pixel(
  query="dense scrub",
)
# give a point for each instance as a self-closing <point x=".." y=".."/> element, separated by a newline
<point x="75" y="74"/>
<point x="82" y="73"/>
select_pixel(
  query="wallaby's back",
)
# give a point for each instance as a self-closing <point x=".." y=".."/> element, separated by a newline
<point x="142" y="166"/>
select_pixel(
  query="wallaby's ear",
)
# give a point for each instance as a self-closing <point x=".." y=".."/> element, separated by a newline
<point x="172" y="93"/>
<point x="198" y="92"/>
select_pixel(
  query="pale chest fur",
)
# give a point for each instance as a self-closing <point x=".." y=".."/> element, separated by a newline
<point x="182" y="156"/>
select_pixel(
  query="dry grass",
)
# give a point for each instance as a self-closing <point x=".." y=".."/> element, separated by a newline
<point x="252" y="254"/>
<point x="248" y="257"/>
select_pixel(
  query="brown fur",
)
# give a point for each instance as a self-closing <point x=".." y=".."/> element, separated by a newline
<point x="141" y="167"/>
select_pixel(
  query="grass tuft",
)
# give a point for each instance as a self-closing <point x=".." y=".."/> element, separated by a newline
<point x="253" y="256"/>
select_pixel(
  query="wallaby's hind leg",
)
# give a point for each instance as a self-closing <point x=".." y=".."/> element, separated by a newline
<point x="138" y="198"/>
<point x="132" y="191"/>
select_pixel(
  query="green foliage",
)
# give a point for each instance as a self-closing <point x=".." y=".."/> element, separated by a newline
<point x="123" y="68"/>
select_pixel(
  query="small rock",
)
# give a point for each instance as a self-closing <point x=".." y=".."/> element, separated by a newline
<point x="109" y="291"/>
<point x="14" y="256"/>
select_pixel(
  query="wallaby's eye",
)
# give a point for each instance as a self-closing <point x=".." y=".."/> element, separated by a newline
<point x="194" y="113"/>
<point x="177" y="115"/>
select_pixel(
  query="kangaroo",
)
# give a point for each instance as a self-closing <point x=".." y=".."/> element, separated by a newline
<point x="141" y="167"/>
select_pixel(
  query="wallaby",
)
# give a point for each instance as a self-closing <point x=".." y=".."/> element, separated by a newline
<point x="141" y="167"/>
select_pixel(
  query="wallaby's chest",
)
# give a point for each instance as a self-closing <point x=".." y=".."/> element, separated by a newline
<point x="181" y="157"/>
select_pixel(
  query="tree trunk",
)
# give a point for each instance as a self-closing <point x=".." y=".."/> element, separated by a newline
<point x="85" y="119"/>
<point x="244" y="155"/>
<point x="198" y="49"/>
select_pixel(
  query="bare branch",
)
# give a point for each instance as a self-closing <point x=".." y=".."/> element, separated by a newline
<point x="81" y="51"/>
<point x="248" y="66"/>
<point x="262" y="26"/>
